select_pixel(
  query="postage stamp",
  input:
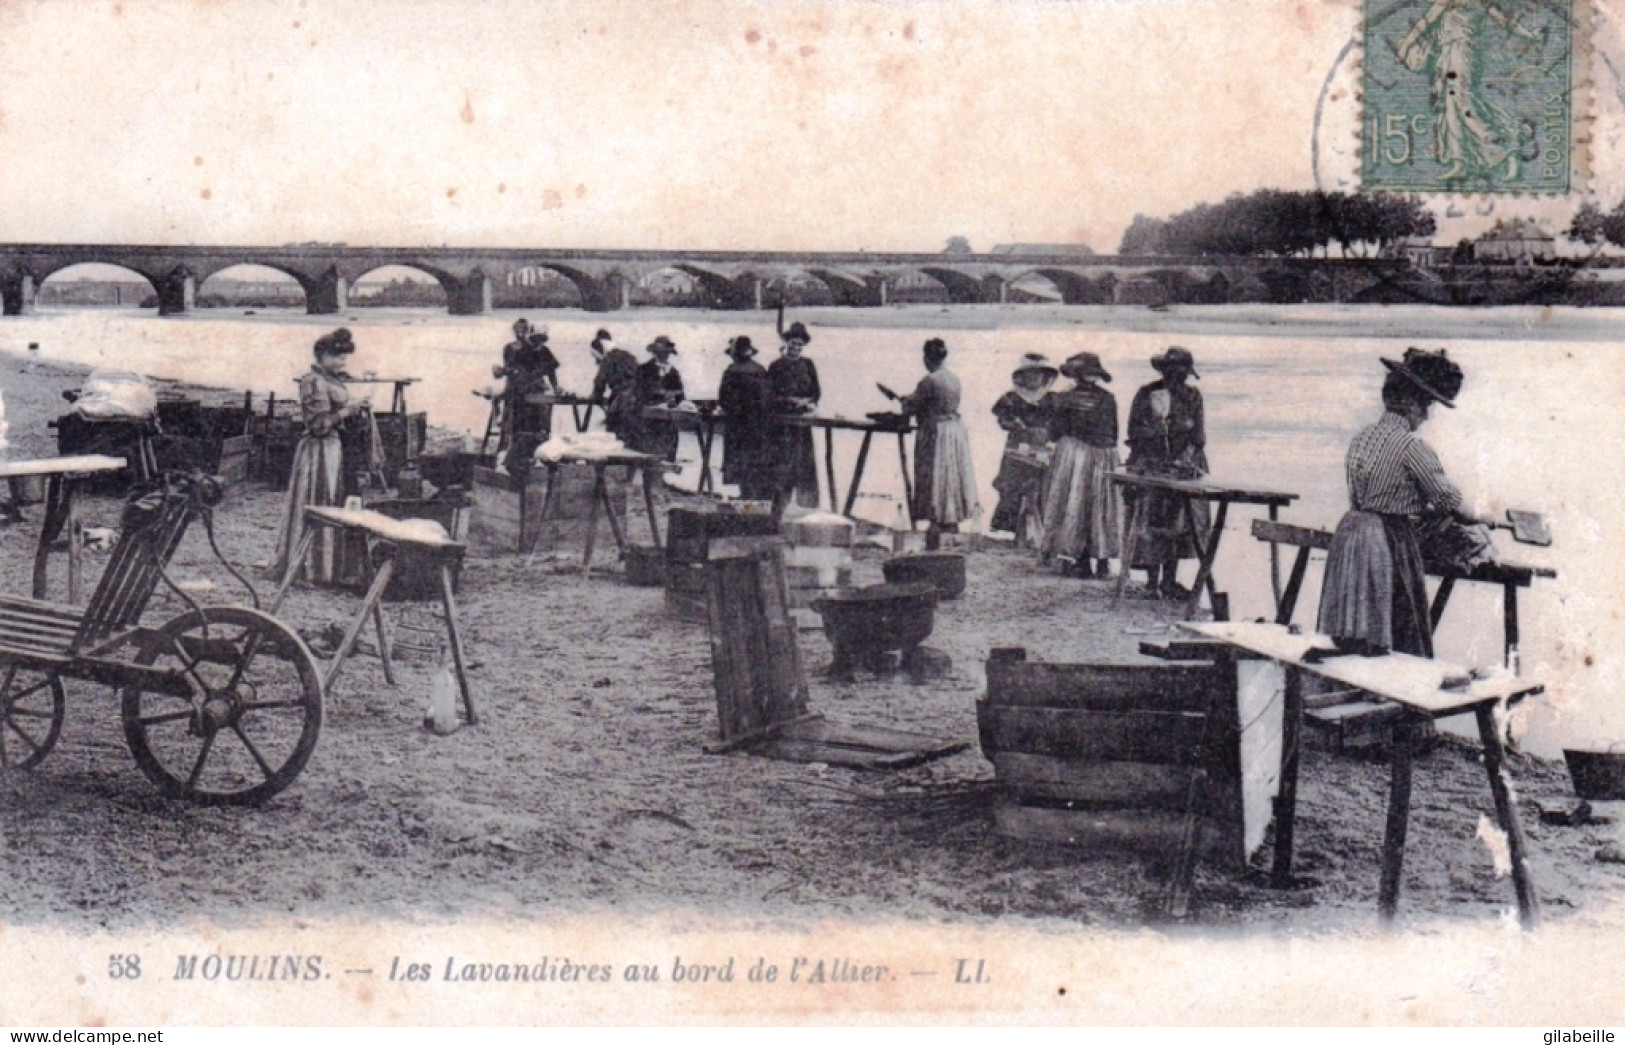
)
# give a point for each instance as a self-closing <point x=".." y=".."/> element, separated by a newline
<point x="1471" y="96"/>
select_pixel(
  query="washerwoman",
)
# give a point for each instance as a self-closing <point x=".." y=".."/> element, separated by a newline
<point x="1166" y="438"/>
<point x="1023" y="414"/>
<point x="745" y="399"/>
<point x="318" y="476"/>
<point x="944" y="484"/>
<point x="795" y="391"/>
<point x="1080" y="500"/>
<point x="1374" y="598"/>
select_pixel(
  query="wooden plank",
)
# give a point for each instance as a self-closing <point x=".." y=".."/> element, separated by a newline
<point x="1411" y="680"/>
<point x="84" y="464"/>
<point x="741" y="547"/>
<point x="879" y="737"/>
<point x="1162" y="738"/>
<point x="1101" y="783"/>
<point x="1297" y="536"/>
<point x="1169" y="687"/>
<point x="1152" y="832"/>
<point x="1205" y="650"/>
<point x="790" y="750"/>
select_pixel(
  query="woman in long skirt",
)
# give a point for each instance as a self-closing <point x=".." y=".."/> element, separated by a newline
<point x="745" y="399"/>
<point x="318" y="476"/>
<point x="1080" y="502"/>
<point x="944" y="484"/>
<point x="1374" y="597"/>
<point x="1023" y="414"/>
<point x="1167" y="437"/>
<point x="796" y="391"/>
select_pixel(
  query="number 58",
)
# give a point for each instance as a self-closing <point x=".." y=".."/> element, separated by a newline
<point x="124" y="966"/>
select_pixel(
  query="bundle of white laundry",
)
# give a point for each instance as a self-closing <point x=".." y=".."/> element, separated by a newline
<point x="579" y="445"/>
<point x="116" y="394"/>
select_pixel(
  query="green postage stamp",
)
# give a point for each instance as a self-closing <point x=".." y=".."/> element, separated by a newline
<point x="1472" y="96"/>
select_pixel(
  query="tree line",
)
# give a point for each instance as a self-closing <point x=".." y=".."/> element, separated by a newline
<point x="1276" y="223"/>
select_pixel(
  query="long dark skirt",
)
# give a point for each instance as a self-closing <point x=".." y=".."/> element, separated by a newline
<point x="1375" y="591"/>
<point x="797" y="464"/>
<point x="1168" y="532"/>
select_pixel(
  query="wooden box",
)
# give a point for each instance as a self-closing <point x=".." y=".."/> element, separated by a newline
<point x="508" y="516"/>
<point x="1114" y="754"/>
<point x="689" y="532"/>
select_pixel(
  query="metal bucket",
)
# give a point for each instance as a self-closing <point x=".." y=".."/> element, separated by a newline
<point x="944" y="570"/>
<point x="1599" y="776"/>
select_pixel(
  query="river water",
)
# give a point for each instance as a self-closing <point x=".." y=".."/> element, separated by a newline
<point x="1538" y="427"/>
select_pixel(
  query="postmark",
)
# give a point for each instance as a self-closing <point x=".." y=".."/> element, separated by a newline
<point x="1473" y="96"/>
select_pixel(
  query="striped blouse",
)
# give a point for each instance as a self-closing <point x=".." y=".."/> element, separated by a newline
<point x="1392" y="472"/>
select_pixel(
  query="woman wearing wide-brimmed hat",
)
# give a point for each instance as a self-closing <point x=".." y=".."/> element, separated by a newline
<point x="745" y="398"/>
<point x="1080" y="502"/>
<point x="1166" y="438"/>
<point x="319" y="476"/>
<point x="944" y="484"/>
<point x="1374" y="597"/>
<point x="659" y="384"/>
<point x="1023" y="414"/>
<point x="795" y="391"/>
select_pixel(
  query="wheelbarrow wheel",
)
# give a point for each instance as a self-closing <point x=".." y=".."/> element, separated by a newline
<point x="31" y="711"/>
<point x="251" y="720"/>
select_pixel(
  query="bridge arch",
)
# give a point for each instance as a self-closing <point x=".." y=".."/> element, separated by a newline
<point x="259" y="287"/>
<point x="1075" y="287"/>
<point x="400" y="291"/>
<point x="97" y="284"/>
<point x="537" y="284"/>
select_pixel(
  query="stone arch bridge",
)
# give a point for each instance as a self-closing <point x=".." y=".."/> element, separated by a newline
<point x="735" y="280"/>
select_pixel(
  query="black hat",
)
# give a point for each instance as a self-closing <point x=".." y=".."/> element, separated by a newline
<point x="936" y="348"/>
<point x="1084" y="365"/>
<point x="338" y="343"/>
<point x="740" y="347"/>
<point x="797" y="332"/>
<point x="662" y="344"/>
<point x="1175" y="356"/>
<point x="1433" y="373"/>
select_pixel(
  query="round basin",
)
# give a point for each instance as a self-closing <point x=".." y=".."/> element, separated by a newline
<point x="878" y="618"/>
<point x="943" y="570"/>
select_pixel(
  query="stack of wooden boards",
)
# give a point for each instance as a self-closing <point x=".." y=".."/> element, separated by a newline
<point x="689" y="532"/>
<point x="513" y="516"/>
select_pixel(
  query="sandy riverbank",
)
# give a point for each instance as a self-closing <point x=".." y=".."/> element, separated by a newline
<point x="587" y="788"/>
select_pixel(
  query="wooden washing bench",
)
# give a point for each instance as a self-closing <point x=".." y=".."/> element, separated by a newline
<point x="1416" y="688"/>
<point x="1510" y="576"/>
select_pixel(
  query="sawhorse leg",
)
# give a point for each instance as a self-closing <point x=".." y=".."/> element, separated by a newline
<point x="651" y="473"/>
<point x="1287" y="601"/>
<point x="1204" y="567"/>
<point x="908" y="482"/>
<point x="374" y="593"/>
<point x="829" y="466"/>
<point x="1506" y="812"/>
<point x="57" y="495"/>
<point x="459" y="663"/>
<point x="1131" y="544"/>
<point x="1509" y="617"/>
<point x="857" y="475"/>
<point x="1399" y="814"/>
<point x="708" y="439"/>
<point x="76" y="546"/>
<point x="1275" y="561"/>
<point x="1441" y="599"/>
<point x="307" y="537"/>
<point x="549" y="506"/>
<point x="1286" y="797"/>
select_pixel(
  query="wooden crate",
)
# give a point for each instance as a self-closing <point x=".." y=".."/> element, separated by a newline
<point x="689" y="532"/>
<point x="755" y="661"/>
<point x="1107" y="754"/>
<point x="507" y="514"/>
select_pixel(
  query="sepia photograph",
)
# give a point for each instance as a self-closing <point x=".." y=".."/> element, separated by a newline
<point x="1084" y="512"/>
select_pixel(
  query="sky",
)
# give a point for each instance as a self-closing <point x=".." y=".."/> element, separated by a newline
<point x="704" y="124"/>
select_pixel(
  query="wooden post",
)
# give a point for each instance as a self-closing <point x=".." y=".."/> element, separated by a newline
<point x="1441" y="599"/>
<point x="651" y="473"/>
<point x="1509" y="618"/>
<point x="1209" y="550"/>
<point x="1275" y="560"/>
<point x="829" y="466"/>
<point x="307" y="537"/>
<point x="56" y="495"/>
<point x="1288" y="600"/>
<point x="1399" y="813"/>
<point x="1286" y="798"/>
<point x="1506" y="812"/>
<point x="755" y="659"/>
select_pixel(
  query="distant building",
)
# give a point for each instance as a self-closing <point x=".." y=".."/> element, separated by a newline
<point x="1419" y="251"/>
<point x="1069" y="250"/>
<point x="1519" y="241"/>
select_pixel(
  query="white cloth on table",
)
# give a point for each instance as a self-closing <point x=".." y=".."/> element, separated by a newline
<point x="116" y="394"/>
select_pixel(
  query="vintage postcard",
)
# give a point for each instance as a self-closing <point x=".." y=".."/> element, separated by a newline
<point x="994" y="511"/>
